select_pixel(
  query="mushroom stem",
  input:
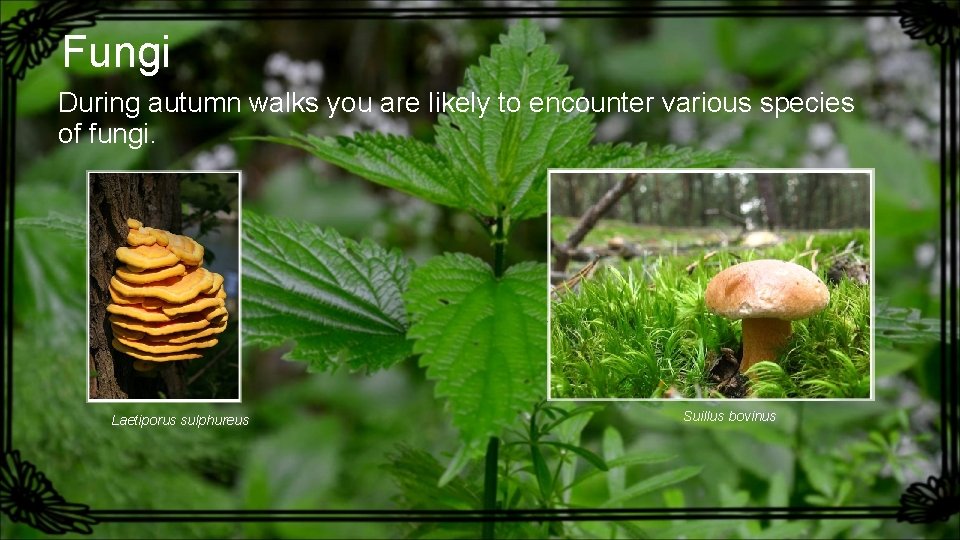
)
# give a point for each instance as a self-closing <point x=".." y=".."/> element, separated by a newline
<point x="762" y="340"/>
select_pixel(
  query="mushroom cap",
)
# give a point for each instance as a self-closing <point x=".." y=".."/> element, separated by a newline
<point x="155" y="348"/>
<point x="176" y="290"/>
<point x="153" y="357"/>
<point x="184" y="247"/>
<point x="217" y="284"/>
<point x="119" y="331"/>
<point x="616" y="242"/>
<point x="194" y="321"/>
<point x="216" y="327"/>
<point x="199" y="303"/>
<point x="766" y="289"/>
<point x="150" y="276"/>
<point x="137" y="311"/>
<point x="137" y="238"/>
<point x="147" y="257"/>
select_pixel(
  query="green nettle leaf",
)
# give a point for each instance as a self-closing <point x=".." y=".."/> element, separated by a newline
<point x="340" y="300"/>
<point x="503" y="157"/>
<point x="49" y="270"/>
<point x="482" y="339"/>
<point x="624" y="156"/>
<point x="653" y="483"/>
<point x="416" y="472"/>
<point x="69" y="226"/>
<point x="898" y="325"/>
<point x="399" y="163"/>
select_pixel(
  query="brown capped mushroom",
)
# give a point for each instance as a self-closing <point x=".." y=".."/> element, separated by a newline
<point x="767" y="294"/>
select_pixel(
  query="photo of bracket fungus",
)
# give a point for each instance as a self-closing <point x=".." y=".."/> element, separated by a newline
<point x="166" y="306"/>
<point x="164" y="288"/>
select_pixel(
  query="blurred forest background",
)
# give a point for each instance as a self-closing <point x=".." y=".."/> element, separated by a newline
<point x="332" y="441"/>
<point x="745" y="200"/>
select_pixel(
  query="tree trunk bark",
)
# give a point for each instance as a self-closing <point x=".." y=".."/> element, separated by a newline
<point x="573" y="197"/>
<point x="657" y="201"/>
<point x="733" y="199"/>
<point x="768" y="193"/>
<point x="702" y="181"/>
<point x="635" y="202"/>
<point x="154" y="199"/>
<point x="809" y="211"/>
<point x="681" y="212"/>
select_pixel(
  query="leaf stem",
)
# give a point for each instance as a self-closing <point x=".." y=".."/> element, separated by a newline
<point x="490" y="484"/>
<point x="492" y="458"/>
<point x="499" y="249"/>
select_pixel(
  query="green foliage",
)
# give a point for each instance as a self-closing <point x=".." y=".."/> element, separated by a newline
<point x="416" y="474"/>
<point x="897" y="325"/>
<point x="636" y="332"/>
<point x="50" y="233"/>
<point x="399" y="163"/>
<point x="202" y="196"/>
<point x="339" y="299"/>
<point x="903" y="194"/>
<point x="76" y="446"/>
<point x="479" y="337"/>
<point x="495" y="166"/>
<point x="42" y="245"/>
<point x="667" y="61"/>
<point x="776" y="49"/>
<point x="543" y="465"/>
<point x="290" y="470"/>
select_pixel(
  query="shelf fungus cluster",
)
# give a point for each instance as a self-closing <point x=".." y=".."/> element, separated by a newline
<point x="165" y="305"/>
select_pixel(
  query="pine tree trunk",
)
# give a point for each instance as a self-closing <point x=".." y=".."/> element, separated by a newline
<point x="154" y="199"/>
<point x="771" y="206"/>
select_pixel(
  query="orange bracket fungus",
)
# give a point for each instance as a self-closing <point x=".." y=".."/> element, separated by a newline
<point x="767" y="294"/>
<point x="165" y="305"/>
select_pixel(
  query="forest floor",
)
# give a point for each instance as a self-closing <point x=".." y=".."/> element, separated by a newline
<point x="639" y="328"/>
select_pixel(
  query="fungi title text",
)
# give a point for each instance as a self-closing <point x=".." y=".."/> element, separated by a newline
<point x="148" y="57"/>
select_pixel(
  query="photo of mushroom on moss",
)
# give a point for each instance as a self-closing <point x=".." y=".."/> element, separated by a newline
<point x="160" y="302"/>
<point x="710" y="284"/>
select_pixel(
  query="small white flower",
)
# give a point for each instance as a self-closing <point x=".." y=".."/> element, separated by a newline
<point x="314" y="71"/>
<point x="924" y="254"/>
<point x="272" y="87"/>
<point x="277" y="64"/>
<point x="296" y="73"/>
<point x="821" y="136"/>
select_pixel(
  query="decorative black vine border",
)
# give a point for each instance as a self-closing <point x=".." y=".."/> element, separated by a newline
<point x="27" y="496"/>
